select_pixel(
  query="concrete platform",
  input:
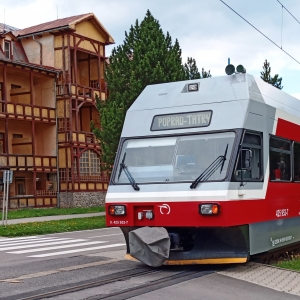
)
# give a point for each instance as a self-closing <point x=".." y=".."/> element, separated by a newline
<point x="267" y="276"/>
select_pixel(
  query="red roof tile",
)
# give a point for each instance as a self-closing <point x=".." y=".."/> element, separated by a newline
<point x="51" y="25"/>
<point x="68" y="22"/>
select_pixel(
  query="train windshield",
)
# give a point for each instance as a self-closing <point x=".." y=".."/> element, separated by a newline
<point x="173" y="159"/>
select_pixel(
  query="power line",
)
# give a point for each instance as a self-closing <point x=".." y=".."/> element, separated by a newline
<point x="261" y="32"/>
<point x="288" y="11"/>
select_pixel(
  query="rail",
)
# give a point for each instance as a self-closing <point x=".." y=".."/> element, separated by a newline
<point x="87" y="92"/>
<point x="26" y="111"/>
<point x="46" y="193"/>
<point x="14" y="161"/>
<point x="78" y="137"/>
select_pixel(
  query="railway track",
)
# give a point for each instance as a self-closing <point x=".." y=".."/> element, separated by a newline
<point x="163" y="279"/>
<point x="285" y="253"/>
<point x="158" y="278"/>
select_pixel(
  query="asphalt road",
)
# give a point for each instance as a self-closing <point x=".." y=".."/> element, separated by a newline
<point x="54" y="261"/>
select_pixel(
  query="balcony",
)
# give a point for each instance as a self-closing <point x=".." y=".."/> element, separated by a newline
<point x="46" y="193"/>
<point x="82" y="92"/>
<point x="28" y="162"/>
<point x="28" y="112"/>
<point x="78" y="138"/>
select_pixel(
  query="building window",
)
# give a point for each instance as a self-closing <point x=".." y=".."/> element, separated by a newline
<point x="280" y="159"/>
<point x="7" y="49"/>
<point x="15" y="86"/>
<point x="20" y="186"/>
<point x="17" y="136"/>
<point x="94" y="84"/>
<point x="89" y="163"/>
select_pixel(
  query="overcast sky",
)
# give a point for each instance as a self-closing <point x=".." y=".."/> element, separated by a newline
<point x="206" y="29"/>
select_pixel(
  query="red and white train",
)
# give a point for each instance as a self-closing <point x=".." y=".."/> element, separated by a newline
<point x="207" y="171"/>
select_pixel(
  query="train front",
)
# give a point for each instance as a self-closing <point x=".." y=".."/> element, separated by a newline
<point x="170" y="186"/>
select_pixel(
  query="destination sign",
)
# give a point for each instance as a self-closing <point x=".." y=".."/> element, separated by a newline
<point x="182" y="120"/>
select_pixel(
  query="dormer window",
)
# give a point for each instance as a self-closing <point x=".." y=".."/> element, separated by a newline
<point x="7" y="49"/>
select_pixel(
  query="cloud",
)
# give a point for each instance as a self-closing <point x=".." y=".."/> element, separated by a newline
<point x="207" y="30"/>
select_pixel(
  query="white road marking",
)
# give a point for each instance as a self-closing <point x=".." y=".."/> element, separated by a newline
<point x="20" y="238"/>
<point x="39" y="244"/>
<point x="99" y="236"/>
<point x="77" y="250"/>
<point x="106" y="228"/>
<point x="55" y="247"/>
<point x="42" y="240"/>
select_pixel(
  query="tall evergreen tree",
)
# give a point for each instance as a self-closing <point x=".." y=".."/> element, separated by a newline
<point x="266" y="76"/>
<point x="146" y="57"/>
<point x="192" y="72"/>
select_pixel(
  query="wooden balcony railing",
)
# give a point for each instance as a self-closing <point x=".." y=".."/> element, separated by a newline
<point x="84" y="137"/>
<point x="28" y="162"/>
<point x="78" y="137"/>
<point x="46" y="193"/>
<point x="84" y="92"/>
<point x="26" y="111"/>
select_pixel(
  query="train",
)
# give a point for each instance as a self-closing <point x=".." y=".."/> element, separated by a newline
<point x="207" y="172"/>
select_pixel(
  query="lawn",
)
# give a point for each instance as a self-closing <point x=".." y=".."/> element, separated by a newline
<point x="37" y="228"/>
<point x="292" y="263"/>
<point x="41" y="212"/>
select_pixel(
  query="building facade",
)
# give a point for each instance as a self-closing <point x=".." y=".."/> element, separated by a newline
<point x="49" y="77"/>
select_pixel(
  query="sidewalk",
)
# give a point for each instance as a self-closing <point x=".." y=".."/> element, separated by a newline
<point x="53" y="218"/>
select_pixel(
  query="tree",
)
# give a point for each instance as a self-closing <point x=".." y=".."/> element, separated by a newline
<point x="147" y="56"/>
<point x="191" y="70"/>
<point x="266" y="76"/>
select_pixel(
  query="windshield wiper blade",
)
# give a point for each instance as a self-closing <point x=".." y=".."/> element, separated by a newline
<point x="128" y="174"/>
<point x="121" y="168"/>
<point x="218" y="162"/>
<point x="224" y="158"/>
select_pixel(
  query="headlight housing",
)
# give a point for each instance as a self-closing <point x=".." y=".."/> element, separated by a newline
<point x="117" y="210"/>
<point x="209" y="209"/>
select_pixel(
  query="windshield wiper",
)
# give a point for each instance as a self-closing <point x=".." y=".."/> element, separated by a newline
<point x="218" y="162"/>
<point x="129" y="176"/>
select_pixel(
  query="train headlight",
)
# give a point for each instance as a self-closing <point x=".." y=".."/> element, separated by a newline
<point x="117" y="210"/>
<point x="209" y="209"/>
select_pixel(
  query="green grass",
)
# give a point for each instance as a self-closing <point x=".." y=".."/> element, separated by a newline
<point x="37" y="228"/>
<point x="293" y="264"/>
<point x="41" y="212"/>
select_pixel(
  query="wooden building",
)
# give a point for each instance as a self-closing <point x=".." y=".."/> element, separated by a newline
<point x="49" y="76"/>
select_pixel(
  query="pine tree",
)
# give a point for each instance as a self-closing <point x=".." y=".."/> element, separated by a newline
<point x="192" y="72"/>
<point x="147" y="56"/>
<point x="266" y="76"/>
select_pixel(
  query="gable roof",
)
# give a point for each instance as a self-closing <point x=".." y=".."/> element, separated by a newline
<point x="63" y="24"/>
<point x="6" y="28"/>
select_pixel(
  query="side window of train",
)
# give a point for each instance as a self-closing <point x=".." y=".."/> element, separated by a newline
<point x="280" y="159"/>
<point x="296" y="161"/>
<point x="249" y="162"/>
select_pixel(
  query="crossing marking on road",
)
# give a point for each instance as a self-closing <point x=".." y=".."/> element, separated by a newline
<point x="45" y="240"/>
<point x="77" y="250"/>
<point x="99" y="236"/>
<point x="56" y="247"/>
<point x="53" y="242"/>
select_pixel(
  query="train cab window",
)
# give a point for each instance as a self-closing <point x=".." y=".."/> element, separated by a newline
<point x="280" y="159"/>
<point x="249" y="162"/>
<point x="296" y="152"/>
